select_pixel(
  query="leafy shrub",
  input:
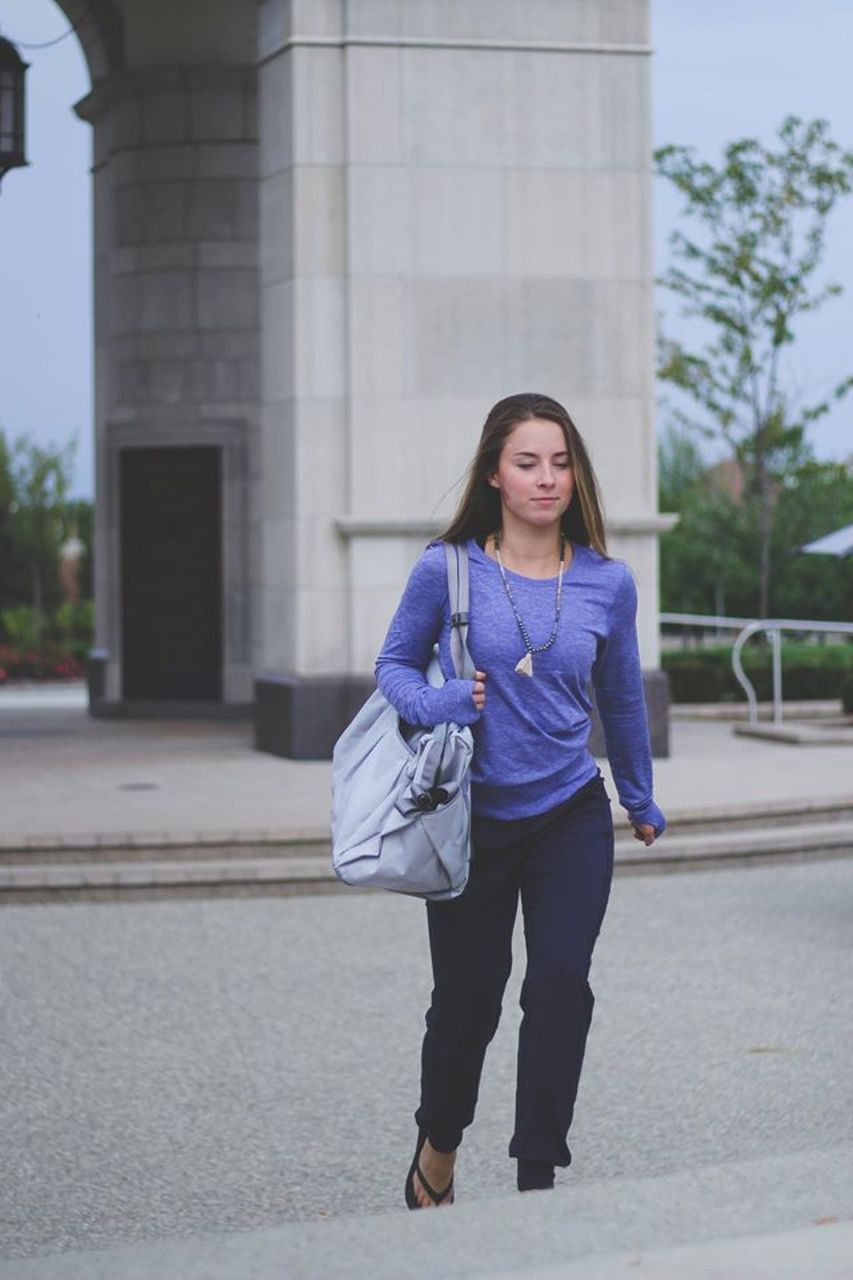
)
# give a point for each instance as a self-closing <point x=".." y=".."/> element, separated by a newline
<point x="73" y="629"/>
<point x="75" y="621"/>
<point x="20" y="626"/>
<point x="59" y="654"/>
<point x="695" y="681"/>
<point x="808" y="672"/>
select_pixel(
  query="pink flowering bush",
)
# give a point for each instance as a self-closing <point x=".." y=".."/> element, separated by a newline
<point x="48" y="663"/>
<point x="52" y="646"/>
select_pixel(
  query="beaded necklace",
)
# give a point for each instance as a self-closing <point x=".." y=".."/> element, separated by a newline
<point x="524" y="666"/>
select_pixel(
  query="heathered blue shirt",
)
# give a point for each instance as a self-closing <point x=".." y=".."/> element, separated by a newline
<point x="530" y="741"/>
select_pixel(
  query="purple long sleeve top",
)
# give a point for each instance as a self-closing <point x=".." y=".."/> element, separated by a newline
<point x="530" y="741"/>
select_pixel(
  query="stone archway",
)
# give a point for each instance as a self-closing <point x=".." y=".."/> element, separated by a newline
<point x="403" y="285"/>
<point x="99" y="27"/>
<point x="172" y="107"/>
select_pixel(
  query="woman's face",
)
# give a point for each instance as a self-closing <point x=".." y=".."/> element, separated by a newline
<point x="534" y="475"/>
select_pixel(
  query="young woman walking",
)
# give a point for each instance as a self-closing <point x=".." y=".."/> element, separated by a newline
<point x="549" y="611"/>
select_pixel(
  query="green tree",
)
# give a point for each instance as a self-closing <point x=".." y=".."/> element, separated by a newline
<point x="816" y="500"/>
<point x="680" y="467"/>
<point x="706" y="561"/>
<point x="709" y="561"/>
<point x="12" y="568"/>
<point x="34" y="484"/>
<point x="748" y="275"/>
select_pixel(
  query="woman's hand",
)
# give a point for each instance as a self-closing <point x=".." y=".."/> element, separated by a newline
<point x="645" y="832"/>
<point x="479" y="693"/>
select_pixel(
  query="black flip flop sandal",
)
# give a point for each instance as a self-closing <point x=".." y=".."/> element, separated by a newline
<point x="437" y="1197"/>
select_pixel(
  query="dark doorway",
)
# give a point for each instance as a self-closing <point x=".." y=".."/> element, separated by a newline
<point x="171" y="573"/>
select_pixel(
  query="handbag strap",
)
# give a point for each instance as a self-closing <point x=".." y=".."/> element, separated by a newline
<point x="458" y="590"/>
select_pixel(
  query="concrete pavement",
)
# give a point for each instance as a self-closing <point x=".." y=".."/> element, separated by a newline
<point x="68" y="778"/>
<point x="100" y="809"/>
<point x="188" y="1088"/>
<point x="183" y="1070"/>
<point x="503" y="1239"/>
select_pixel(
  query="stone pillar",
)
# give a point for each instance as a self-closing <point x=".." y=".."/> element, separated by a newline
<point x="307" y="684"/>
<point x="455" y="205"/>
<point x="176" y="315"/>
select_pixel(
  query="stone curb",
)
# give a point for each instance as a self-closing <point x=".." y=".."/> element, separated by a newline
<point x="756" y="1219"/>
<point x="721" y="848"/>
<point x="802" y="735"/>
<point x="814" y="709"/>
<point x="306" y="838"/>
<point x="88" y="841"/>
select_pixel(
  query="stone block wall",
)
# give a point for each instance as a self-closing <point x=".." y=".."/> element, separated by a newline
<point x="459" y="209"/>
<point x="176" y="309"/>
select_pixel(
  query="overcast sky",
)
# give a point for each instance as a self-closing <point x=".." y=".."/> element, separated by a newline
<point x="721" y="69"/>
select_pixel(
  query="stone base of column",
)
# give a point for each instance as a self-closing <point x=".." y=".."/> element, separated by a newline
<point x="96" y="676"/>
<point x="656" y="684"/>
<point x="301" y="717"/>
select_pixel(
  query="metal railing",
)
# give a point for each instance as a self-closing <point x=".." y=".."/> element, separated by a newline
<point x="749" y="627"/>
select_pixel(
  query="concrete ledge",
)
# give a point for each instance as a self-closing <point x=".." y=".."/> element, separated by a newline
<point x="302" y="717"/>
<point x="820" y="1251"/>
<point x="803" y="735"/>
<point x="304" y="868"/>
<point x="734" y="823"/>
<point x="808" y="709"/>
<point x="753" y="1219"/>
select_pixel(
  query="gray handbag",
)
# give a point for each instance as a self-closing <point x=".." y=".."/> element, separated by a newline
<point x="401" y="796"/>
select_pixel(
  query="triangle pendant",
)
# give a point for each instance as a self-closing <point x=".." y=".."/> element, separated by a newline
<point x="524" y="666"/>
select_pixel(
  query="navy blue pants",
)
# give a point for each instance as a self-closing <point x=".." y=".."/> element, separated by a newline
<point x="560" y="864"/>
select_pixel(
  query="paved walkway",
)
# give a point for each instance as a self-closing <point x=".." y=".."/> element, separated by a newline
<point x="188" y="1088"/>
<point x="183" y="1070"/>
<point x="66" y="775"/>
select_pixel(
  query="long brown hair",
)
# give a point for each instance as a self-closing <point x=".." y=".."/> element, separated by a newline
<point x="479" y="512"/>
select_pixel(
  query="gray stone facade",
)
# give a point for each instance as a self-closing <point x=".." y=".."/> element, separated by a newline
<point x="176" y="311"/>
<point x="328" y="237"/>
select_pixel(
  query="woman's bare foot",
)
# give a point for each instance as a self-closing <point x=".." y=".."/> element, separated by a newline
<point x="438" y="1170"/>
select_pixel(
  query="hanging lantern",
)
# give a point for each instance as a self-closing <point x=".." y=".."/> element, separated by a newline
<point x="12" y="72"/>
